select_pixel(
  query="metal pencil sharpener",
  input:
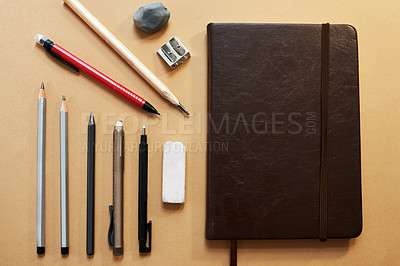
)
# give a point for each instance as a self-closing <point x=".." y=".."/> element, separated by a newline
<point x="174" y="53"/>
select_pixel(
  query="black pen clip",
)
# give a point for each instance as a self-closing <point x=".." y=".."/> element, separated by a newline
<point x="111" y="227"/>
<point x="142" y="243"/>
<point x="62" y="61"/>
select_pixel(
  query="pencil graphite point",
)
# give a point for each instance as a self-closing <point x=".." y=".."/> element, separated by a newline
<point x="42" y="93"/>
<point x="180" y="106"/>
<point x="64" y="107"/>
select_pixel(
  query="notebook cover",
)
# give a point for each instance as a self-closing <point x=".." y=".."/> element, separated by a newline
<point x="264" y="132"/>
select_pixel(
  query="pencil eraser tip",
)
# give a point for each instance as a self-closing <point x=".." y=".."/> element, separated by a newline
<point x="38" y="37"/>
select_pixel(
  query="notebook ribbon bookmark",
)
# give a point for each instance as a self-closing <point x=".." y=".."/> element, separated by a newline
<point x="323" y="179"/>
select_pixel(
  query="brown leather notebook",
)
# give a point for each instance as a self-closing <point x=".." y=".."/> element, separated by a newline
<point x="283" y="157"/>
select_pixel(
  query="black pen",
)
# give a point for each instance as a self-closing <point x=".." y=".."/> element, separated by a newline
<point x="143" y="225"/>
<point x="90" y="186"/>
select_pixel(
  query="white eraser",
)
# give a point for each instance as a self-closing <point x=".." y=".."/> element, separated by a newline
<point x="38" y="37"/>
<point x="174" y="168"/>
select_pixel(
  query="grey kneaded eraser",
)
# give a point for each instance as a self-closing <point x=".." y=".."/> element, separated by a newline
<point x="174" y="169"/>
<point x="151" y="18"/>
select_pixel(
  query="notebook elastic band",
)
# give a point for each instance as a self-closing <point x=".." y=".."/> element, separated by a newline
<point x="323" y="180"/>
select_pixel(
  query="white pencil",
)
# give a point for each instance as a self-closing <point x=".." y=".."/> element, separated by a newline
<point x="121" y="49"/>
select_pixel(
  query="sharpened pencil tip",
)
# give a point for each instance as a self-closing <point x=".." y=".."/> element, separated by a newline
<point x="158" y="113"/>
<point x="42" y="87"/>
<point x="180" y="106"/>
<point x="64" y="107"/>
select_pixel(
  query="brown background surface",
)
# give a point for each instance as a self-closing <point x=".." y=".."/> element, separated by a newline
<point x="179" y="231"/>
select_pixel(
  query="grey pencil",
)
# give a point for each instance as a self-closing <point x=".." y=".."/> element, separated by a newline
<point x="64" y="176"/>
<point x="41" y="170"/>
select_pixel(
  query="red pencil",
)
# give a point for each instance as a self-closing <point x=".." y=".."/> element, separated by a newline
<point x="77" y="64"/>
